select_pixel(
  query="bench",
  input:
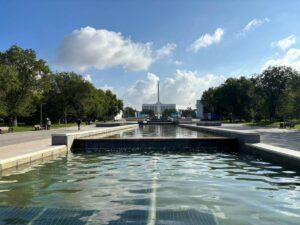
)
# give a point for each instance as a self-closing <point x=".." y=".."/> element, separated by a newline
<point x="5" y="130"/>
<point x="287" y="124"/>
<point x="38" y="127"/>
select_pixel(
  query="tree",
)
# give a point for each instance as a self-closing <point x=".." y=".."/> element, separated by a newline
<point x="9" y="82"/>
<point x="69" y="96"/>
<point x="114" y="104"/>
<point x="188" y="112"/>
<point x="28" y="75"/>
<point x="148" y="112"/>
<point x="235" y="97"/>
<point x="129" y="112"/>
<point x="168" y="112"/>
<point x="208" y="100"/>
<point x="272" y="86"/>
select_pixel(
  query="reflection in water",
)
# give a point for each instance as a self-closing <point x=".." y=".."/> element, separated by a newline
<point x="233" y="188"/>
<point x="159" y="131"/>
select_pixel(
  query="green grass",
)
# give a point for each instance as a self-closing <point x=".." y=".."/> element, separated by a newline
<point x="23" y="128"/>
<point x="276" y="124"/>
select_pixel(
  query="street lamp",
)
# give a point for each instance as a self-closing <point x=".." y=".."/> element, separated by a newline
<point x="41" y="115"/>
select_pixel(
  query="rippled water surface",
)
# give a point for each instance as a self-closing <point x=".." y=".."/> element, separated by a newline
<point x="159" y="131"/>
<point x="236" y="190"/>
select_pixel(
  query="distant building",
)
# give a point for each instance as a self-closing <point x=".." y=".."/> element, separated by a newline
<point x="158" y="108"/>
<point x="199" y="109"/>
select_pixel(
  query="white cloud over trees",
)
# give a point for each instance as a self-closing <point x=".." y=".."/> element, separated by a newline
<point x="290" y="58"/>
<point x="183" y="88"/>
<point x="102" y="49"/>
<point x="285" y="43"/>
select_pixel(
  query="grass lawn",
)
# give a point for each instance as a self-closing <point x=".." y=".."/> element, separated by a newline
<point x="22" y="128"/>
<point x="271" y="124"/>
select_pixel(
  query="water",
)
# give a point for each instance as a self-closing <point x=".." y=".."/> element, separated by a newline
<point x="158" y="131"/>
<point x="155" y="188"/>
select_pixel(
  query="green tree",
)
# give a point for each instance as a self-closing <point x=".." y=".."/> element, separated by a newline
<point x="168" y="112"/>
<point x="271" y="86"/>
<point x="129" y="112"/>
<point x="69" y="96"/>
<point x="29" y="74"/>
<point x="9" y="82"/>
<point x="188" y="112"/>
<point x="148" y="112"/>
<point x="235" y="97"/>
<point x="115" y="105"/>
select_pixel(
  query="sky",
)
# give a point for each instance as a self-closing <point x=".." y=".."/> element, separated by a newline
<point x="128" y="46"/>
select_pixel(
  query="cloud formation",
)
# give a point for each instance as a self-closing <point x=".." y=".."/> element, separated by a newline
<point x="165" y="50"/>
<point x="252" y="25"/>
<point x="207" y="40"/>
<point x="101" y="49"/>
<point x="183" y="88"/>
<point x="88" y="78"/>
<point x="285" y="43"/>
<point x="290" y="58"/>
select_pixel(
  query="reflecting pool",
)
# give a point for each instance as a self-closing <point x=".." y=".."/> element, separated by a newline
<point x="153" y="188"/>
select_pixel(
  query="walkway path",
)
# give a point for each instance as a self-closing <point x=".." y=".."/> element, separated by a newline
<point x="284" y="138"/>
<point x="15" y="144"/>
<point x="22" y="137"/>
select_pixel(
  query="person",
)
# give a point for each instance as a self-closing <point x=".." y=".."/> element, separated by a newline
<point x="78" y="121"/>
<point x="48" y="123"/>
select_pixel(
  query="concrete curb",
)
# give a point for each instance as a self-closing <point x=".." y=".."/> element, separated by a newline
<point x="68" y="138"/>
<point x="242" y="135"/>
<point x="275" y="153"/>
<point x="31" y="157"/>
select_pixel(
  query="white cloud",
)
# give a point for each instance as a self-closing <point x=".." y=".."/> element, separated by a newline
<point x="290" y="58"/>
<point x="178" y="62"/>
<point x="285" y="43"/>
<point x="165" y="50"/>
<point x="88" y="78"/>
<point x="252" y="25"/>
<point x="106" y="87"/>
<point x="91" y="48"/>
<point x="183" y="88"/>
<point x="142" y="91"/>
<point x="207" y="40"/>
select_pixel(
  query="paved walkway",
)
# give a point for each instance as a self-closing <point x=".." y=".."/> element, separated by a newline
<point x="284" y="138"/>
<point x="22" y="137"/>
<point x="18" y="143"/>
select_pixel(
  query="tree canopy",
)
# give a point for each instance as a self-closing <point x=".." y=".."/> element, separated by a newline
<point x="27" y="84"/>
<point x="273" y="94"/>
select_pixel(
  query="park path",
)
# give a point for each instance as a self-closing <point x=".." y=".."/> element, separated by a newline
<point x="284" y="138"/>
<point x="13" y="144"/>
<point x="22" y="137"/>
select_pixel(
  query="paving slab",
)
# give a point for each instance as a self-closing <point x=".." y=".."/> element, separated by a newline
<point x="284" y="138"/>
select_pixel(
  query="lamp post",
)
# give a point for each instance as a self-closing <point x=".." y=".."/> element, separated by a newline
<point x="41" y="114"/>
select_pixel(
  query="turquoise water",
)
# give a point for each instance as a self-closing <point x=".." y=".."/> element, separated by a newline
<point x="234" y="189"/>
<point x="159" y="131"/>
<point x="153" y="189"/>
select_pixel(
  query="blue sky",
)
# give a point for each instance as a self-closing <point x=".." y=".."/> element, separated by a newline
<point x="129" y="45"/>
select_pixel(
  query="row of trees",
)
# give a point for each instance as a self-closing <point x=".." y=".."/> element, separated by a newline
<point x="272" y="95"/>
<point x="27" y="84"/>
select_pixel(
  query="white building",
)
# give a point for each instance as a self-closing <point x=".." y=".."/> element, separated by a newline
<point x="199" y="107"/>
<point x="158" y="108"/>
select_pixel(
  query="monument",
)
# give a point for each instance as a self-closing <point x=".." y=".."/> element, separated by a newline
<point x="158" y="108"/>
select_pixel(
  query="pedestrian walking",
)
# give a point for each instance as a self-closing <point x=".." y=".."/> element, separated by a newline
<point x="48" y="123"/>
<point x="78" y="121"/>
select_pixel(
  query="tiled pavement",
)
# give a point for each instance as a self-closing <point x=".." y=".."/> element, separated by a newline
<point x="285" y="138"/>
